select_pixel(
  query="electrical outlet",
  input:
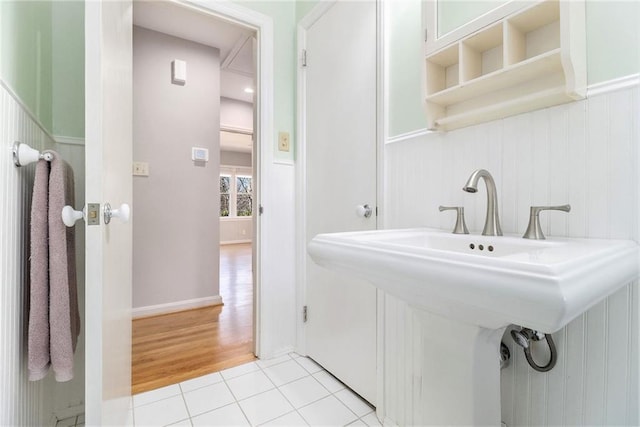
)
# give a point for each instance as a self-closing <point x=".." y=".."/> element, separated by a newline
<point x="140" y="169"/>
<point x="283" y="141"/>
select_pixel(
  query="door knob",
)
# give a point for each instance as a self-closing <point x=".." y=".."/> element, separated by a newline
<point x="70" y="215"/>
<point x="364" y="211"/>
<point x="123" y="212"/>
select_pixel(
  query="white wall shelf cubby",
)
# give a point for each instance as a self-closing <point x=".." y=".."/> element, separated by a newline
<point x="530" y="59"/>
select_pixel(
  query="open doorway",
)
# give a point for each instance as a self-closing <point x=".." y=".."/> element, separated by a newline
<point x="193" y="125"/>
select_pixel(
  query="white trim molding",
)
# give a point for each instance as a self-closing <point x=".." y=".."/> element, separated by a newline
<point x="613" y="85"/>
<point x="68" y="140"/>
<point x="172" y="307"/>
<point x="235" y="129"/>
<point x="264" y="133"/>
<point x="234" y="242"/>
<point x="285" y="162"/>
<point x="408" y="135"/>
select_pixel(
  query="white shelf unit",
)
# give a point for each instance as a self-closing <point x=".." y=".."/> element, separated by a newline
<point x="531" y="59"/>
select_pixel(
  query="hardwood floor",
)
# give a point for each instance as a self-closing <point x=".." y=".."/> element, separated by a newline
<point x="175" y="347"/>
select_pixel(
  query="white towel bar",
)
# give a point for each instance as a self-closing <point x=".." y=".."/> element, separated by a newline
<point x="24" y="155"/>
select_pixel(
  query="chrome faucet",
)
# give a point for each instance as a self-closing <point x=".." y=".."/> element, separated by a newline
<point x="492" y="222"/>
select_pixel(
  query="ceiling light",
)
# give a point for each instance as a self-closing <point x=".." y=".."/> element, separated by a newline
<point x="248" y="90"/>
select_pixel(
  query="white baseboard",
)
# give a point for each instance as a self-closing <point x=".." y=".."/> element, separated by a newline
<point x="154" y="310"/>
<point x="235" y="242"/>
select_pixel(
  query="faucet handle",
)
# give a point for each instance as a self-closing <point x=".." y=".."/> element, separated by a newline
<point x="534" y="231"/>
<point x="461" y="226"/>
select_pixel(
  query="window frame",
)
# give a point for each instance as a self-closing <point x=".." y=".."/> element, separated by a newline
<point x="234" y="173"/>
<point x="220" y="193"/>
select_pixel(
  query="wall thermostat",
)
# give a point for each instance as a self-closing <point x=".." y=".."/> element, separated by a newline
<point x="199" y="154"/>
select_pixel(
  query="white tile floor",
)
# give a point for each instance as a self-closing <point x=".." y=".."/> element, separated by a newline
<point x="286" y="391"/>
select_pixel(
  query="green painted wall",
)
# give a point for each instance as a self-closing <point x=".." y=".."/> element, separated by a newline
<point x="26" y="54"/>
<point x="42" y="60"/>
<point x="68" y="68"/>
<point x="613" y="50"/>
<point x="403" y="24"/>
<point x="613" y="39"/>
<point x="42" y="57"/>
<point x="303" y="7"/>
<point x="283" y="14"/>
<point x="453" y="14"/>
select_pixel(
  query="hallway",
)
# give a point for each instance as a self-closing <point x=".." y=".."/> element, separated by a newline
<point x="171" y="348"/>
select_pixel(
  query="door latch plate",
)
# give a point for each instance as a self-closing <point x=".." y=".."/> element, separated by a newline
<point x="93" y="214"/>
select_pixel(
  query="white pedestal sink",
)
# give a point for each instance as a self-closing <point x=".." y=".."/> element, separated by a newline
<point x="470" y="288"/>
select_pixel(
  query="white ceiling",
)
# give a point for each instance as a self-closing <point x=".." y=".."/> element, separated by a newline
<point x="235" y="42"/>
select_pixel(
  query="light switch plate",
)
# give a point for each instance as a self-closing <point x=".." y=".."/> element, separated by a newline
<point x="140" y="169"/>
<point x="283" y="141"/>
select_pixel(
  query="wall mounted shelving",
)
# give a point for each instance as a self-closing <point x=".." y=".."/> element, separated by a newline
<point x="531" y="59"/>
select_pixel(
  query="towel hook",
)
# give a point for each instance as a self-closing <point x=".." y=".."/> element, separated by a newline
<point x="24" y="155"/>
<point x="70" y="215"/>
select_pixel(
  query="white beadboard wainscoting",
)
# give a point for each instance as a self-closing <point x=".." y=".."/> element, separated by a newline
<point x="584" y="153"/>
<point x="21" y="402"/>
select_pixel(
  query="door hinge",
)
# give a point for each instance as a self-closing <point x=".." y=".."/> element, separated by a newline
<point x="304" y="314"/>
<point x="304" y="57"/>
<point x="260" y="210"/>
<point x="376" y="211"/>
<point x="426" y="35"/>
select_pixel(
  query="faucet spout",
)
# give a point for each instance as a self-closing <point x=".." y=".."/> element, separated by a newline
<point x="492" y="221"/>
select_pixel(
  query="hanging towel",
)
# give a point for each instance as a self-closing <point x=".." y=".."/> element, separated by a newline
<point x="54" y="318"/>
<point x="64" y="317"/>
<point x="38" y="333"/>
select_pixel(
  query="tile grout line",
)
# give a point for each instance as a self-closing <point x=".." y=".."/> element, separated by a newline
<point x="184" y="400"/>
<point x="311" y="374"/>
<point x="280" y="391"/>
<point x="236" y="401"/>
<point x="263" y="370"/>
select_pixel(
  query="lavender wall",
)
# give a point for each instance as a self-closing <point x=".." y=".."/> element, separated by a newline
<point x="176" y="227"/>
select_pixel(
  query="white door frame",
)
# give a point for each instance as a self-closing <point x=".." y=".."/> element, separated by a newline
<point x="263" y="26"/>
<point x="301" y="186"/>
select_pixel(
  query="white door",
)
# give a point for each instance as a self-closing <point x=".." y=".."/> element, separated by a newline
<point x="108" y="73"/>
<point x="340" y="153"/>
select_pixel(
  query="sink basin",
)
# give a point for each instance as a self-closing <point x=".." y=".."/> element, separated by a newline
<point x="487" y="281"/>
